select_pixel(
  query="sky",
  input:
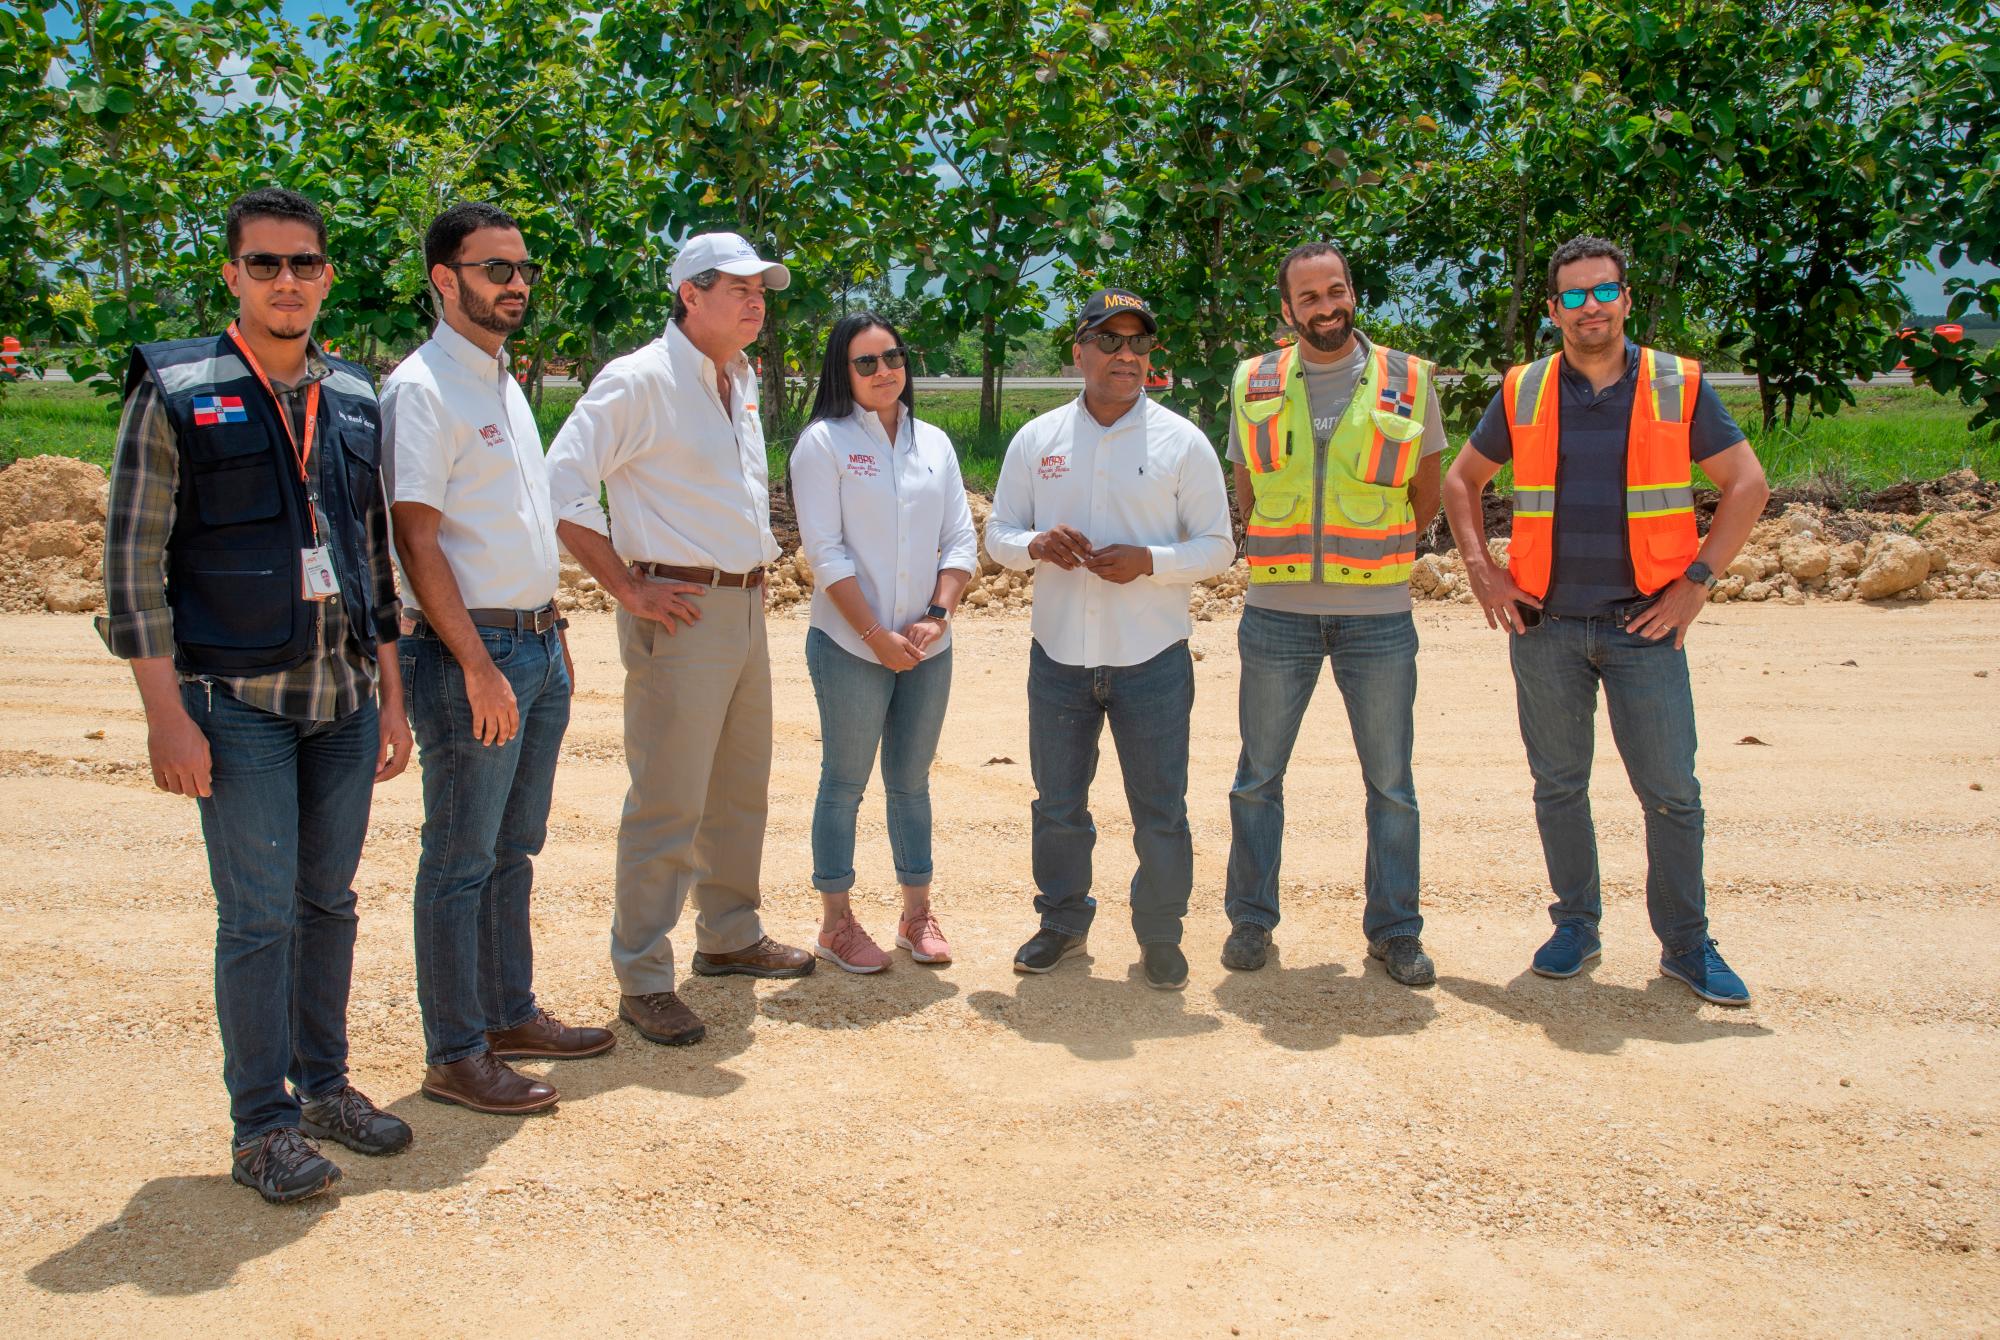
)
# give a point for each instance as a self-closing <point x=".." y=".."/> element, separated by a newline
<point x="1924" y="288"/>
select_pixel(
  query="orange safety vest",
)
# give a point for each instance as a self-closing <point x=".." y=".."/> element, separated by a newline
<point x="1659" y="470"/>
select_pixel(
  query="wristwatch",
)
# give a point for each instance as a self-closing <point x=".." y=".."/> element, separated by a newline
<point x="938" y="612"/>
<point x="1698" y="571"/>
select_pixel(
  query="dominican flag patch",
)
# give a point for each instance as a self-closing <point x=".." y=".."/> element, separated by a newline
<point x="213" y="409"/>
<point x="1399" y="402"/>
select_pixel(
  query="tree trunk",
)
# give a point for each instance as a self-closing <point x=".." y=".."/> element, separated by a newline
<point x="989" y="382"/>
<point x="1510" y="324"/>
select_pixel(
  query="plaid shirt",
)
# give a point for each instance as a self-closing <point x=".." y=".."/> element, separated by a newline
<point x="145" y="474"/>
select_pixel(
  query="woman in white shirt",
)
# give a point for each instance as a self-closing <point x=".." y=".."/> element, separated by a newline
<point x="884" y="523"/>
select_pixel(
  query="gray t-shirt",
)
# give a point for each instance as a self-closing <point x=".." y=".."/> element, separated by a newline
<point x="1329" y="389"/>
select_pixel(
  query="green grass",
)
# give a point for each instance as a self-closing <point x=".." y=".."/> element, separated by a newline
<point x="1890" y="434"/>
<point x="57" y="419"/>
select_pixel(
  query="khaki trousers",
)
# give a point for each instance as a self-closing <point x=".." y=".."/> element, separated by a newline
<point x="698" y="746"/>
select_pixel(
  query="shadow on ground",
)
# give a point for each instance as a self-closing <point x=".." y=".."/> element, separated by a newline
<point x="1582" y="1015"/>
<point x="1096" y="1018"/>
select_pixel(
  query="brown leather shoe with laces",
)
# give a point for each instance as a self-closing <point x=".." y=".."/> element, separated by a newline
<point x="485" y="1083"/>
<point x="766" y="958"/>
<point x="661" y="1016"/>
<point x="547" y="1036"/>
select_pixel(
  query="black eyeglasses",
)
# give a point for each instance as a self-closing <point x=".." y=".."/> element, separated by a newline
<point x="1139" y="344"/>
<point x="1573" y="298"/>
<point x="865" y="364"/>
<point x="262" y="265"/>
<point x="502" y="272"/>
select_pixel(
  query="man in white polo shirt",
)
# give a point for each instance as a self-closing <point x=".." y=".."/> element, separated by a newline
<point x="485" y="664"/>
<point x="671" y="434"/>
<point x="1118" y="504"/>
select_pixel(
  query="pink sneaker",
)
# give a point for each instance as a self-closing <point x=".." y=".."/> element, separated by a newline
<point x="850" y="948"/>
<point x="924" y="938"/>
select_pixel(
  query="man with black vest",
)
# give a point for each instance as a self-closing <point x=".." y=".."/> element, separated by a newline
<point x="1605" y="572"/>
<point x="248" y="580"/>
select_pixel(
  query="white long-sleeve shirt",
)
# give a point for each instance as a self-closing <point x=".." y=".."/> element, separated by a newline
<point x="891" y="516"/>
<point x="685" y="475"/>
<point x="1152" y="479"/>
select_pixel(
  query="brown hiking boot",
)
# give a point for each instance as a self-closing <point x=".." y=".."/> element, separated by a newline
<point x="661" y="1016"/>
<point x="766" y="958"/>
<point x="485" y="1083"/>
<point x="547" y="1036"/>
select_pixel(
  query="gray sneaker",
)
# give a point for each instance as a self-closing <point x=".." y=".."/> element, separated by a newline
<point x="1246" y="948"/>
<point x="1404" y="957"/>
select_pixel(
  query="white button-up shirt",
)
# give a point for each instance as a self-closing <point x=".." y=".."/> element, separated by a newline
<point x="458" y="435"/>
<point x="685" y="474"/>
<point x="890" y="515"/>
<point x="1151" y="479"/>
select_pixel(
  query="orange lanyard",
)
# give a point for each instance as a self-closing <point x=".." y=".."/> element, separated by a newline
<point x="300" y="453"/>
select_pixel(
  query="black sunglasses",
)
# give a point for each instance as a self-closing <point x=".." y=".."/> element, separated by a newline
<point x="1573" y="298"/>
<point x="1139" y="344"/>
<point x="892" y="359"/>
<point x="262" y="265"/>
<point x="502" y="272"/>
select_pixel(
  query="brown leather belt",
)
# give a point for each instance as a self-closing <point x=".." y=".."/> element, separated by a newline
<point x="702" y="576"/>
<point x="521" y="621"/>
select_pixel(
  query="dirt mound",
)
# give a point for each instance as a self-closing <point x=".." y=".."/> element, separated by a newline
<point x="51" y="536"/>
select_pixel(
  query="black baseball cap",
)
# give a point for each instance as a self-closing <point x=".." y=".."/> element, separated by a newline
<point x="1109" y="302"/>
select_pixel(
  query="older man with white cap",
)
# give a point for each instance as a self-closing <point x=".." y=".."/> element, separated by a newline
<point x="671" y="433"/>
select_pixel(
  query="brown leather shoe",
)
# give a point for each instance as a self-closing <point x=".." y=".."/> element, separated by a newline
<point x="766" y="958"/>
<point x="547" y="1036"/>
<point x="485" y="1083"/>
<point x="661" y="1016"/>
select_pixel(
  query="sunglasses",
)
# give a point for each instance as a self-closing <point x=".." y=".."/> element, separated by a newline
<point x="502" y="272"/>
<point x="1111" y="344"/>
<point x="262" y="265"/>
<point x="865" y="364"/>
<point x="1573" y="298"/>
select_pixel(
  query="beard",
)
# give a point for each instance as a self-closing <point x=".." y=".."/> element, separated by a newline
<point x="1328" y="333"/>
<point x="489" y="315"/>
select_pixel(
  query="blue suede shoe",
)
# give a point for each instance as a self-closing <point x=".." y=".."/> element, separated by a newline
<point x="1708" y="976"/>
<point x="1573" y="945"/>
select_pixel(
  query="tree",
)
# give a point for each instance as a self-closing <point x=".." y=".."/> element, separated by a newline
<point x="1019" y="129"/>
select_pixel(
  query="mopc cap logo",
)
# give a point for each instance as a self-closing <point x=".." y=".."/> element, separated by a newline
<point x="1109" y="302"/>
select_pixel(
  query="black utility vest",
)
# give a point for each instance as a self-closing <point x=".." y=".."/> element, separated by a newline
<point x="240" y="512"/>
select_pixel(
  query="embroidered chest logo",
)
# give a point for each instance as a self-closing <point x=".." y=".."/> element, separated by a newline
<point x="1264" y="385"/>
<point x="214" y="409"/>
<point x="863" y="465"/>
<point x="1053" y="467"/>
<point x="494" y="437"/>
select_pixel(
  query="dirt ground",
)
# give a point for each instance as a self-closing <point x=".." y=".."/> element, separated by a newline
<point x="1308" y="1150"/>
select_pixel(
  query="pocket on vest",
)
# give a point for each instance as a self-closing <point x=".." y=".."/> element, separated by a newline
<point x="231" y="471"/>
<point x="239" y="599"/>
<point x="1274" y="506"/>
<point x="364" y="463"/>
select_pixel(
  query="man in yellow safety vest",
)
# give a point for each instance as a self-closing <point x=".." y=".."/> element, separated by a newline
<point x="1335" y="442"/>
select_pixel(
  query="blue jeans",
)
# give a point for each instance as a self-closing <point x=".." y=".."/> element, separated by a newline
<point x="1148" y="706"/>
<point x="486" y="815"/>
<point x="284" y="826"/>
<point x="863" y="703"/>
<point x="1557" y="668"/>
<point x="1375" y="668"/>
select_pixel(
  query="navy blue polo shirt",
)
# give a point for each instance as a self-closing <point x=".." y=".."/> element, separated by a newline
<point x="1592" y="572"/>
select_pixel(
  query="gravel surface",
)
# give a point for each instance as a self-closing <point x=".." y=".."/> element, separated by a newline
<point x="1307" y="1150"/>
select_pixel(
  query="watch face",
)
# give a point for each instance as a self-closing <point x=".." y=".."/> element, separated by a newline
<point x="937" y="612"/>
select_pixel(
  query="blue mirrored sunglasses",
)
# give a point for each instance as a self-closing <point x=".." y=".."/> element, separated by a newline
<point x="1573" y="298"/>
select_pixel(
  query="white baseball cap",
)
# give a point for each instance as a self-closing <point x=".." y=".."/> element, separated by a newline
<point x="729" y="253"/>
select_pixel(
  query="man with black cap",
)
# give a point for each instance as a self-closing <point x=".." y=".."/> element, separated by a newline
<point x="670" y="433"/>
<point x="1118" y="505"/>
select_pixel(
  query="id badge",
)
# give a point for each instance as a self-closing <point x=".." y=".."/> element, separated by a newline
<point x="316" y="579"/>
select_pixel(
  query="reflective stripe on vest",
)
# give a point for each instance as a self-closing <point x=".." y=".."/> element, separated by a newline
<point x="1395" y="394"/>
<point x="1659" y="470"/>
